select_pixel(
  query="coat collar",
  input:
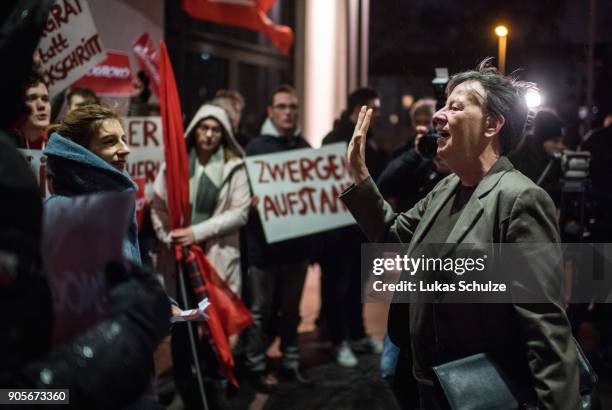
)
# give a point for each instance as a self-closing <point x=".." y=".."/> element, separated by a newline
<point x="473" y="209"/>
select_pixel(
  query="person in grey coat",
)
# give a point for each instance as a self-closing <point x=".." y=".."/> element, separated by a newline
<point x="485" y="200"/>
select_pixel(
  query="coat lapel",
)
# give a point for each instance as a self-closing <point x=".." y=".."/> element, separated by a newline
<point x="474" y="208"/>
<point x="432" y="212"/>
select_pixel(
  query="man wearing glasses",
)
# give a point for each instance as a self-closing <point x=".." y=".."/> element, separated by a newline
<point x="276" y="271"/>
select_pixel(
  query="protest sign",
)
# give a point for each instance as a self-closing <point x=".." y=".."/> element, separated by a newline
<point x="298" y="191"/>
<point x="148" y="59"/>
<point x="81" y="235"/>
<point x="144" y="137"/>
<point x="111" y="78"/>
<point x="38" y="163"/>
<point x="70" y="45"/>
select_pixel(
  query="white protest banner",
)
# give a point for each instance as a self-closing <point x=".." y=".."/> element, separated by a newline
<point x="298" y="191"/>
<point x="38" y="163"/>
<point x="146" y="141"/>
<point x="70" y="45"/>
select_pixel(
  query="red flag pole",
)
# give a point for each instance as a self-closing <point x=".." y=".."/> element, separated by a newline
<point x="191" y="332"/>
<point x="177" y="176"/>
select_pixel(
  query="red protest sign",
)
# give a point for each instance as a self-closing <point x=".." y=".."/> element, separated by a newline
<point x="148" y="58"/>
<point x="112" y="77"/>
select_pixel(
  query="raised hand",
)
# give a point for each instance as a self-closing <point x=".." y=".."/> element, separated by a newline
<point x="356" y="149"/>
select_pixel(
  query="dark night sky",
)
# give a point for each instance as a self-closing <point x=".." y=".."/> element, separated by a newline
<point x="547" y="39"/>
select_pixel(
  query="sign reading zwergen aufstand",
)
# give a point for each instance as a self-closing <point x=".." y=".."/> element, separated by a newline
<point x="298" y="191"/>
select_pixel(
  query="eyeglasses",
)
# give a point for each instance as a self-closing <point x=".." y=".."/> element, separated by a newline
<point x="283" y="107"/>
<point x="214" y="129"/>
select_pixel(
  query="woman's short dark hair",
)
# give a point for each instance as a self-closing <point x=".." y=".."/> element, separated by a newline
<point x="84" y="123"/>
<point x="504" y="97"/>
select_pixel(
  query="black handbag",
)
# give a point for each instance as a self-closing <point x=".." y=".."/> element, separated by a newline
<point x="492" y="381"/>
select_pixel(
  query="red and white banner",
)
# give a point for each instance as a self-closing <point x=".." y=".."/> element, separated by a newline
<point x="248" y="14"/>
<point x="300" y="189"/>
<point x="148" y="58"/>
<point x="112" y="77"/>
<point x="146" y="141"/>
<point x="70" y="45"/>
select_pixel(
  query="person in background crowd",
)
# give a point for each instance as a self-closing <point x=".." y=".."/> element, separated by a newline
<point x="409" y="177"/>
<point x="599" y="144"/>
<point x="341" y="313"/>
<point x="535" y="155"/>
<point x="233" y="103"/>
<point x="220" y="198"/>
<point x="79" y="97"/>
<point x="139" y="102"/>
<point x="87" y="153"/>
<point x="484" y="200"/>
<point x="421" y="113"/>
<point x="276" y="271"/>
<point x="32" y="131"/>
<point x="343" y="126"/>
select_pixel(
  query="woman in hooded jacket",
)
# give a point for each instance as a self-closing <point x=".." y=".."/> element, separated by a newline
<point x="87" y="154"/>
<point x="219" y="196"/>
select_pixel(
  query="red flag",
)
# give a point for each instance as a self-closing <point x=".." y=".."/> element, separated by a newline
<point x="249" y="14"/>
<point x="227" y="313"/>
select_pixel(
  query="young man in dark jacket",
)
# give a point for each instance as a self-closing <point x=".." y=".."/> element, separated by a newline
<point x="276" y="271"/>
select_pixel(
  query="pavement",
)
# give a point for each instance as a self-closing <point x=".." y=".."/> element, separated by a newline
<point x="337" y="388"/>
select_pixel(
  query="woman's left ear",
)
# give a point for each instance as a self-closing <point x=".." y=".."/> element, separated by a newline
<point x="493" y="125"/>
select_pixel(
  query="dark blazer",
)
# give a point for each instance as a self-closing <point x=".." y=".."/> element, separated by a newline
<point x="506" y="207"/>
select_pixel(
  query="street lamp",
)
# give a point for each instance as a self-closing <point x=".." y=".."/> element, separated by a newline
<point x="502" y="33"/>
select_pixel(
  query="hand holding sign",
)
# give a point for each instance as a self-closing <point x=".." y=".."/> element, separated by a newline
<point x="191" y="315"/>
<point x="356" y="149"/>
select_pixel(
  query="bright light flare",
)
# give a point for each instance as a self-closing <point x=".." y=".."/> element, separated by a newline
<point x="533" y="98"/>
<point x="501" y="31"/>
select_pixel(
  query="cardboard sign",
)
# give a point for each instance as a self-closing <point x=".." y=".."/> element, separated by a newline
<point x="298" y="191"/>
<point x="111" y="78"/>
<point x="80" y="236"/>
<point x="146" y="141"/>
<point x="70" y="45"/>
<point x="38" y="163"/>
<point x="148" y="59"/>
